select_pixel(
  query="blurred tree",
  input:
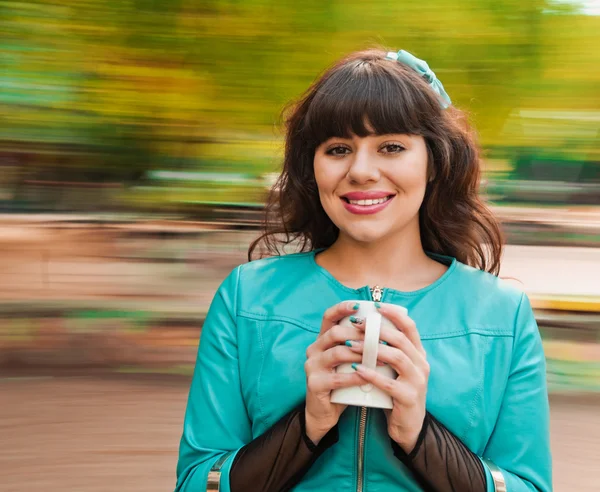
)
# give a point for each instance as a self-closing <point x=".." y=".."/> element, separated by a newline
<point x="141" y="84"/>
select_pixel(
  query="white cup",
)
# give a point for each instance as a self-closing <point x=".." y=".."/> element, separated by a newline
<point x="367" y="395"/>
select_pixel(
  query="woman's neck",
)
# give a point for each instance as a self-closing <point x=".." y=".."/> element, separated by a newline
<point x="400" y="263"/>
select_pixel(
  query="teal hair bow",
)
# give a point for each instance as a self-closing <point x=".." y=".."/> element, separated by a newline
<point x="421" y="67"/>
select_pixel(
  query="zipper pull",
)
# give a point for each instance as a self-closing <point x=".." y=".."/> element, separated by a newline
<point x="376" y="293"/>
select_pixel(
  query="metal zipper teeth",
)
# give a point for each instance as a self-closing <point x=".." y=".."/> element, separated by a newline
<point x="376" y="296"/>
<point x="361" y="447"/>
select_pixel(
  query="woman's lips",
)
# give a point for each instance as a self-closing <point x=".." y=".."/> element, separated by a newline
<point x="366" y="209"/>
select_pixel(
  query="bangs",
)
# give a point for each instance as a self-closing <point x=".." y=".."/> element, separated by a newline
<point x="364" y="99"/>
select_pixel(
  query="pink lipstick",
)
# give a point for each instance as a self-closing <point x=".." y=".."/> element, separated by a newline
<point x="366" y="202"/>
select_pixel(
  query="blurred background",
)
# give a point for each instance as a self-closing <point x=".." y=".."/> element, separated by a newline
<point x="138" y="139"/>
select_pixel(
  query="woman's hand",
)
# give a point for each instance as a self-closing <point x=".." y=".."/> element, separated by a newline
<point x="323" y="356"/>
<point x="405" y="354"/>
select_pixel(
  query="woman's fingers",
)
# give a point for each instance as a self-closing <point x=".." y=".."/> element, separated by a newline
<point x="337" y="312"/>
<point x="337" y="335"/>
<point x="357" y="346"/>
<point x="393" y="356"/>
<point x="396" y="338"/>
<point x="401" y="391"/>
<point x="401" y="363"/>
<point x="340" y="354"/>
<point x="324" y="382"/>
<point x="404" y="323"/>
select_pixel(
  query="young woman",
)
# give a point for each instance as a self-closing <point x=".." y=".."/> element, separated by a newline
<point x="379" y="191"/>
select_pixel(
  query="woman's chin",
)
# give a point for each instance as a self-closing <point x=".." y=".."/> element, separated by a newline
<point x="366" y="235"/>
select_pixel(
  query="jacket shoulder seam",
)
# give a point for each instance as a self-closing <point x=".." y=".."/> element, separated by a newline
<point x="269" y="317"/>
<point x="236" y="295"/>
<point x="460" y="333"/>
<point x="515" y="328"/>
<point x="474" y="403"/>
<point x="262" y="414"/>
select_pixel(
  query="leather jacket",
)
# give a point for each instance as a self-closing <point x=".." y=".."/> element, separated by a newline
<point x="487" y="383"/>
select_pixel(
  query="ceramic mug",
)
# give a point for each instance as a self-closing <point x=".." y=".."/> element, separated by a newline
<point x="367" y="395"/>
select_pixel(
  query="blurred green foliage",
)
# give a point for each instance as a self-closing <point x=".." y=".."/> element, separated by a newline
<point x="101" y="91"/>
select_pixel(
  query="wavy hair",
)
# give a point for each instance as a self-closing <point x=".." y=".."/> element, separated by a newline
<point x="365" y="94"/>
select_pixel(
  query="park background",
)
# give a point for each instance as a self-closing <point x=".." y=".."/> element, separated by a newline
<point x="138" y="140"/>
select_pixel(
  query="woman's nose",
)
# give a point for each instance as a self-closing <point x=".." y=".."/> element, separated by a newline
<point x="363" y="168"/>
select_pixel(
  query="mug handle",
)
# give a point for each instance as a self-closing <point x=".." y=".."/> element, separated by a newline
<point x="371" y="345"/>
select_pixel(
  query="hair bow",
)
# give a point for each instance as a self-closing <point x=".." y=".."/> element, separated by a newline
<point x="421" y="67"/>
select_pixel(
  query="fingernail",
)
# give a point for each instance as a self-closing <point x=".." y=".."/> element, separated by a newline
<point x="355" y="366"/>
<point x="377" y="305"/>
<point x="348" y="343"/>
<point x="356" y="306"/>
<point x="357" y="320"/>
<point x="383" y="342"/>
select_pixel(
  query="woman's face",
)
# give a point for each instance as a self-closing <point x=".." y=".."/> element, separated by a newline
<point x="372" y="187"/>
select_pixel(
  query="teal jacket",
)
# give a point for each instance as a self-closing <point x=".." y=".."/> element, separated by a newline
<point x="487" y="382"/>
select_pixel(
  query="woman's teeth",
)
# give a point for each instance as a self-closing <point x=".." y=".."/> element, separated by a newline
<point x="369" y="202"/>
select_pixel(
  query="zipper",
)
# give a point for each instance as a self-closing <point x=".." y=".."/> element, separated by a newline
<point x="376" y="296"/>
<point x="376" y="293"/>
<point x="362" y="429"/>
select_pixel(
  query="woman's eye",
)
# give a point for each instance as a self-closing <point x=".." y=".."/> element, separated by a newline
<point x="337" y="151"/>
<point x="392" y="148"/>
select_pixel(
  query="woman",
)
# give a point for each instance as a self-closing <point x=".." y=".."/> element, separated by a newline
<point x="379" y="188"/>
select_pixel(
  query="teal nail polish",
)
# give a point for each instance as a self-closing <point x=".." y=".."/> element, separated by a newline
<point x="377" y="305"/>
<point x="354" y="366"/>
<point x="383" y="342"/>
<point x="348" y="343"/>
<point x="353" y="319"/>
<point x="356" y="306"/>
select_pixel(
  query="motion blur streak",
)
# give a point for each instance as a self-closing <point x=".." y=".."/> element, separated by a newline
<point x="138" y="139"/>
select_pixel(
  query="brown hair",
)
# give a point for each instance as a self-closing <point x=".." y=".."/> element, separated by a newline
<point x="365" y="93"/>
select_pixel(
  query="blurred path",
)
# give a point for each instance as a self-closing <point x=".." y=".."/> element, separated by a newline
<point x="160" y="263"/>
<point x="554" y="270"/>
<point x="104" y="435"/>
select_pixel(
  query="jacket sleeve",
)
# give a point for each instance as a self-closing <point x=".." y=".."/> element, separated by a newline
<point x="216" y="421"/>
<point x="440" y="462"/>
<point x="217" y="425"/>
<point x="278" y="459"/>
<point x="520" y="442"/>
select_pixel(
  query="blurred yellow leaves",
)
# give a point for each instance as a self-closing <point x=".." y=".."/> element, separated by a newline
<point x="199" y="85"/>
<point x="130" y="89"/>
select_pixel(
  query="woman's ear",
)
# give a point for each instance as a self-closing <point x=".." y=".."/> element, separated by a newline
<point x="431" y="168"/>
<point x="432" y="174"/>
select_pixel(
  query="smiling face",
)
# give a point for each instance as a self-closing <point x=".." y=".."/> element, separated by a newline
<point x="370" y="128"/>
<point x="372" y="187"/>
